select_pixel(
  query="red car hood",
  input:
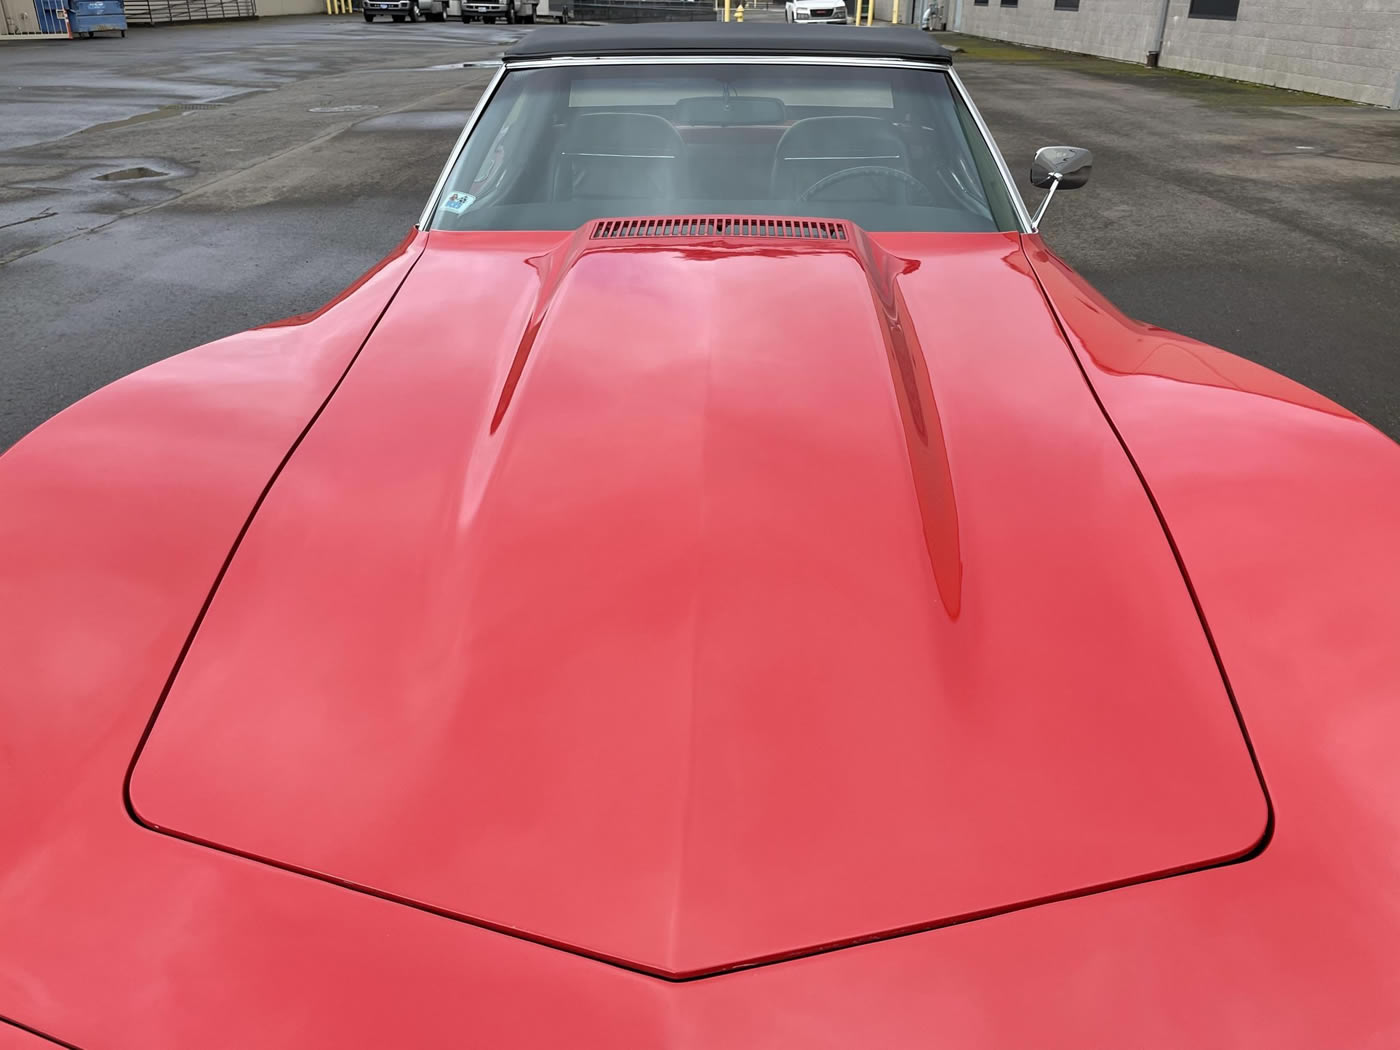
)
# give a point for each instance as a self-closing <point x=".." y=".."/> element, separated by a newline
<point x="696" y="603"/>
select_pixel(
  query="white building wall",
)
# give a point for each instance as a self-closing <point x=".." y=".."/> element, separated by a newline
<point x="1112" y="28"/>
<point x="885" y="10"/>
<point x="1346" y="48"/>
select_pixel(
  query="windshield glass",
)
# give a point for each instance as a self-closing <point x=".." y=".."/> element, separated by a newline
<point x="885" y="147"/>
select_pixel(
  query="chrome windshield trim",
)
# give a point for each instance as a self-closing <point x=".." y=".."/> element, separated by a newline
<point x="726" y="60"/>
<point x="426" y="217"/>
<point x="1027" y="226"/>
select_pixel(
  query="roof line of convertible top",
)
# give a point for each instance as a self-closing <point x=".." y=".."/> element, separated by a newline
<point x="729" y="38"/>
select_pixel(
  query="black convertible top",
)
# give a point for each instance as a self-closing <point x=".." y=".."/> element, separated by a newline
<point x="730" y="38"/>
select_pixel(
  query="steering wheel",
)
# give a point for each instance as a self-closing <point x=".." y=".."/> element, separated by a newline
<point x="855" y="173"/>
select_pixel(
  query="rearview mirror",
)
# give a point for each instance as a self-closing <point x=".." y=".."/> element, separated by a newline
<point x="1056" y="167"/>
<point x="1068" y="165"/>
<point x="730" y="110"/>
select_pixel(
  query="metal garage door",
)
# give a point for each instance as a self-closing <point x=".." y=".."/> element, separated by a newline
<point x="158" y="12"/>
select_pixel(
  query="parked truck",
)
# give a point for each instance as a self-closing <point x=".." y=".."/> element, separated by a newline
<point x="405" y="10"/>
<point x="512" y="12"/>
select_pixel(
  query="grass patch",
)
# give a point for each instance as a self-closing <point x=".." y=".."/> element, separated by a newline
<point x="1208" y="89"/>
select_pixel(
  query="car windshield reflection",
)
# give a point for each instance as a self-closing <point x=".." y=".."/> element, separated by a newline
<point x="889" y="148"/>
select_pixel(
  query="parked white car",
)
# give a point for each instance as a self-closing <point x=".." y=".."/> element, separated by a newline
<point x="830" y="11"/>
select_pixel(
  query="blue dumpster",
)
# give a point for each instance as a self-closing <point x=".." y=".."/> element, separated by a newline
<point x="96" y="16"/>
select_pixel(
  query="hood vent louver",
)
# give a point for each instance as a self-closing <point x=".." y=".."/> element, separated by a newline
<point x="710" y="226"/>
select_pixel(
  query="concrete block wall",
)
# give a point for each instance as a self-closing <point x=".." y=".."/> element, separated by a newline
<point x="1345" y="48"/>
<point x="1119" y="29"/>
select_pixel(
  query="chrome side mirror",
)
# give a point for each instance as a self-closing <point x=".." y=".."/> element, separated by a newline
<point x="1056" y="167"/>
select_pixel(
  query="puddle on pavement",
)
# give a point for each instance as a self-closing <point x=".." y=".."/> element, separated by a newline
<point x="160" y="113"/>
<point x="122" y="174"/>
<point x="237" y="96"/>
<point x="177" y="109"/>
<point x="416" y="120"/>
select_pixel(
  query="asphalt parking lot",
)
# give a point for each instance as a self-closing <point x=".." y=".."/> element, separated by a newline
<point x="277" y="160"/>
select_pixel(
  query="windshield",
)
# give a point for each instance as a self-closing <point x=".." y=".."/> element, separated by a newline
<point x="885" y="147"/>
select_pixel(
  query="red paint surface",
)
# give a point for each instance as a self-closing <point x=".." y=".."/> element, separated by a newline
<point x="116" y="519"/>
<point x="672" y="628"/>
<point x="14" y="1038"/>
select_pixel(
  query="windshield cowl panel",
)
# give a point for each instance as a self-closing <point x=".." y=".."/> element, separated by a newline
<point x="888" y="148"/>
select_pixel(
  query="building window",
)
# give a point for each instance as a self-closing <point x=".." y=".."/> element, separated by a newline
<point x="1008" y="3"/>
<point x="1066" y="5"/>
<point x="1227" y="9"/>
<point x="979" y="3"/>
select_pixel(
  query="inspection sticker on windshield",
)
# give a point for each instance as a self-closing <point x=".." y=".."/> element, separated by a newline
<point x="458" y="201"/>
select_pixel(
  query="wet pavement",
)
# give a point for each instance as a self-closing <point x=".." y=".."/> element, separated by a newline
<point x="285" y="156"/>
<point x="52" y="89"/>
<point x="1263" y="221"/>
<point x="194" y="104"/>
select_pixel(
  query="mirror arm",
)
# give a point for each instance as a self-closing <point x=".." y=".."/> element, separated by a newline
<point x="1049" y="195"/>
